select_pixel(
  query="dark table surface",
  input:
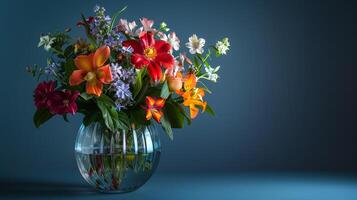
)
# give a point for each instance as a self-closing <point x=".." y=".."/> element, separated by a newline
<point x="249" y="186"/>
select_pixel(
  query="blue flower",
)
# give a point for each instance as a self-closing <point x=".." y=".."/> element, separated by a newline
<point x="122" y="90"/>
<point x="51" y="68"/>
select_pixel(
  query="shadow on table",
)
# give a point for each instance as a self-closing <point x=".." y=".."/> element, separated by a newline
<point x="28" y="188"/>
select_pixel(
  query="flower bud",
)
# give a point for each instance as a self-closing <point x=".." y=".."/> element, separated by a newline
<point x="174" y="83"/>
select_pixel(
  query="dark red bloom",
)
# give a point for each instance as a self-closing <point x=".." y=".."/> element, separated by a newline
<point x="43" y="93"/>
<point x="62" y="102"/>
<point x="151" y="53"/>
<point x="89" y="20"/>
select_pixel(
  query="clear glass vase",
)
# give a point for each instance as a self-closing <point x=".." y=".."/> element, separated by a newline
<point x="120" y="161"/>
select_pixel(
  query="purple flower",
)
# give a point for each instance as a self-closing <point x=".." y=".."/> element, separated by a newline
<point x="118" y="72"/>
<point x="51" y="68"/>
<point x="122" y="90"/>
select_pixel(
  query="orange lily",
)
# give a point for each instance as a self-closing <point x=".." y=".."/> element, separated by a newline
<point x="192" y="96"/>
<point x="91" y="68"/>
<point x="153" y="109"/>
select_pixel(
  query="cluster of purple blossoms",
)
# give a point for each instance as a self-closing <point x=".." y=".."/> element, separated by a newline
<point x="123" y="78"/>
<point x="51" y="68"/>
<point x="100" y="28"/>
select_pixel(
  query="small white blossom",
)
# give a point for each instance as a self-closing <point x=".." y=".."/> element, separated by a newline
<point x="223" y="46"/>
<point x="172" y="39"/>
<point x="46" y="41"/>
<point x="195" y="44"/>
<point x="126" y="27"/>
<point x="212" y="73"/>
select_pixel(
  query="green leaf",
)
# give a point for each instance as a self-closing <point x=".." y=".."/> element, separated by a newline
<point x="115" y="17"/>
<point x="86" y="96"/>
<point x="69" y="51"/>
<point x="108" y="116"/>
<point x="174" y="115"/>
<point x="209" y="110"/>
<point x="41" y="116"/>
<point x="139" y="81"/>
<point x="104" y="98"/>
<point x="89" y="35"/>
<point x="165" y="92"/>
<point x="137" y="116"/>
<point x="90" y="118"/>
<point x="112" y="118"/>
<point x="123" y="121"/>
<point x="69" y="67"/>
<point x="167" y="127"/>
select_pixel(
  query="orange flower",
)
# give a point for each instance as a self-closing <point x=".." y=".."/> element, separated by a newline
<point x="91" y="69"/>
<point x="192" y="96"/>
<point x="154" y="107"/>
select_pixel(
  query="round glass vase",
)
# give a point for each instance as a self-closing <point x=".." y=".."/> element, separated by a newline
<point x="120" y="161"/>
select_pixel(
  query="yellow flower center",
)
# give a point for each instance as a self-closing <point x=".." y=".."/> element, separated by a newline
<point x="90" y="76"/>
<point x="150" y="53"/>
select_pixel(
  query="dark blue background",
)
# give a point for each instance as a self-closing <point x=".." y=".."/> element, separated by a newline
<point x="286" y="99"/>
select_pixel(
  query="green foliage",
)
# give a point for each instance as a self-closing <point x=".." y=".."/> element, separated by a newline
<point x="209" y="110"/>
<point x="167" y="127"/>
<point x="137" y="117"/>
<point x="90" y="118"/>
<point x="174" y="115"/>
<point x="139" y="82"/>
<point x="115" y="16"/>
<point x="113" y="119"/>
<point x="87" y="30"/>
<point x="165" y="92"/>
<point x="41" y="116"/>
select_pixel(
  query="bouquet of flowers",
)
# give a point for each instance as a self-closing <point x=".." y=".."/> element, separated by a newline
<point x="123" y="76"/>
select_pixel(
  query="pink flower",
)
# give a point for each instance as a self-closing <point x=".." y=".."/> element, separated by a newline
<point x="147" y="26"/>
<point x="62" y="102"/>
<point x="126" y="27"/>
<point x="43" y="93"/>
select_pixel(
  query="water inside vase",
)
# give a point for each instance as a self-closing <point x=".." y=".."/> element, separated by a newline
<point x="117" y="172"/>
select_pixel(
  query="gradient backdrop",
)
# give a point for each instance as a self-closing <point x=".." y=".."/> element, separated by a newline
<point x="285" y="100"/>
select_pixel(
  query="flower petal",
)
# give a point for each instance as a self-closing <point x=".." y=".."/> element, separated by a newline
<point x="139" y="60"/>
<point x="104" y="74"/>
<point x="154" y="71"/>
<point x="190" y="81"/>
<point x="77" y="77"/>
<point x="101" y="55"/>
<point x="157" y="115"/>
<point x="84" y="62"/>
<point x="94" y="87"/>
<point x="162" y="46"/>
<point x="159" y="103"/>
<point x="148" y="115"/>
<point x="147" y="39"/>
<point x="135" y="45"/>
<point x="150" y="102"/>
<point x="193" y="111"/>
<point x="165" y="60"/>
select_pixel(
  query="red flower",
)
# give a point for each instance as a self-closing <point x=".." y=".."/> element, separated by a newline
<point x="151" y="53"/>
<point x="153" y="108"/>
<point x="88" y="21"/>
<point x="62" y="102"/>
<point x="43" y="93"/>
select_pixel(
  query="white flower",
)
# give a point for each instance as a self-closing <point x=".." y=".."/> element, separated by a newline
<point x="223" y="46"/>
<point x="126" y="27"/>
<point x="195" y="44"/>
<point x="172" y="39"/>
<point x="212" y="73"/>
<point x="46" y="41"/>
